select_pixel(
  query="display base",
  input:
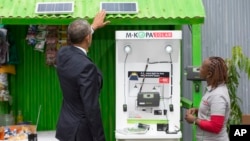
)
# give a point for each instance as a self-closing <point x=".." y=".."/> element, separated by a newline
<point x="149" y="136"/>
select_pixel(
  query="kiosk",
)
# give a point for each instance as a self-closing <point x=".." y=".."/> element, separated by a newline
<point x="148" y="85"/>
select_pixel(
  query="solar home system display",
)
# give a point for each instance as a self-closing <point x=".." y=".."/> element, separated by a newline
<point x="148" y="85"/>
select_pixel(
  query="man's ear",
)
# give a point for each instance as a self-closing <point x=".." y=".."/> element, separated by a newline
<point x="88" y="38"/>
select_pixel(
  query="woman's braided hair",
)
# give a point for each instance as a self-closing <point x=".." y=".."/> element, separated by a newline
<point x="218" y="69"/>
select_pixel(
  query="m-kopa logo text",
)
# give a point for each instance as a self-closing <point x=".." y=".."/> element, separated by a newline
<point x="149" y="35"/>
<point x="239" y="132"/>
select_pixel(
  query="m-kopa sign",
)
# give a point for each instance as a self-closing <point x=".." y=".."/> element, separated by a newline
<point x="152" y="34"/>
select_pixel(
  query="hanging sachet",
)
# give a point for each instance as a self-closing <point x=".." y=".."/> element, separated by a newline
<point x="3" y="46"/>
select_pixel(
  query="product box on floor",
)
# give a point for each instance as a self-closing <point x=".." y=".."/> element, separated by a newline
<point x="246" y="119"/>
<point x="17" y="132"/>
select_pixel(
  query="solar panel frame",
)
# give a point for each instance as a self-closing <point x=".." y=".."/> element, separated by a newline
<point x="54" y="7"/>
<point x="119" y="7"/>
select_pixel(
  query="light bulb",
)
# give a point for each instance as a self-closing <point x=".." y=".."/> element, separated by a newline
<point x="168" y="49"/>
<point x="127" y="49"/>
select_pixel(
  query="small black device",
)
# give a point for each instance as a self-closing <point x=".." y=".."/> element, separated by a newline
<point x="162" y="127"/>
<point x="165" y="112"/>
<point x="148" y="99"/>
<point x="124" y="107"/>
<point x="171" y="107"/>
<point x="157" y="112"/>
<point x="193" y="73"/>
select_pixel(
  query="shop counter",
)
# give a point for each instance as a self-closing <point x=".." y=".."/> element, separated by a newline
<point x="149" y="136"/>
<point x="41" y="136"/>
<point x="46" y="136"/>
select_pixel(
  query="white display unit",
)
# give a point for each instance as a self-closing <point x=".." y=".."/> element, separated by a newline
<point x="148" y="84"/>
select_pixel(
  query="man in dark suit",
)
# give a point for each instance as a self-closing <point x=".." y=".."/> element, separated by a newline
<point x="81" y="82"/>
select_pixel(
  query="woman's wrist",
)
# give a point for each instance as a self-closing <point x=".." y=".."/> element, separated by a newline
<point x="195" y="122"/>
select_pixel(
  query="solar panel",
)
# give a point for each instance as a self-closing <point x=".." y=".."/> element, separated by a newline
<point x="119" y="7"/>
<point x="54" y="7"/>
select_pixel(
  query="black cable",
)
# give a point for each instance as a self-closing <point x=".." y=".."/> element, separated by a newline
<point x="171" y="106"/>
<point x="171" y="76"/>
<point x="146" y="67"/>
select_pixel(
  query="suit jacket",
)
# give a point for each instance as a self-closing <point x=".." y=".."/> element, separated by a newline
<point x="81" y="82"/>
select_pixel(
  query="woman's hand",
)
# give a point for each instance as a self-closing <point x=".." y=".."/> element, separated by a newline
<point x="190" y="118"/>
<point x="191" y="114"/>
<point x="192" y="111"/>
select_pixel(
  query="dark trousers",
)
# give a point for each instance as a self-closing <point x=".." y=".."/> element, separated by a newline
<point x="83" y="133"/>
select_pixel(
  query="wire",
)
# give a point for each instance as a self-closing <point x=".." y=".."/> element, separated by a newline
<point x="146" y="67"/>
<point x="156" y="62"/>
<point x="171" y="76"/>
<point x="125" y="78"/>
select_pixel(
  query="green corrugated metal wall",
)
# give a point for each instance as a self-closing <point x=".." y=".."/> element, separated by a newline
<point x="36" y="84"/>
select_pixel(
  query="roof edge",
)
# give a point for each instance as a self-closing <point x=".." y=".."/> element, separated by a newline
<point x="113" y="21"/>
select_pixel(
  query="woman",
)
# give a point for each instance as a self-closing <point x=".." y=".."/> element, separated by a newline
<point x="214" y="110"/>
